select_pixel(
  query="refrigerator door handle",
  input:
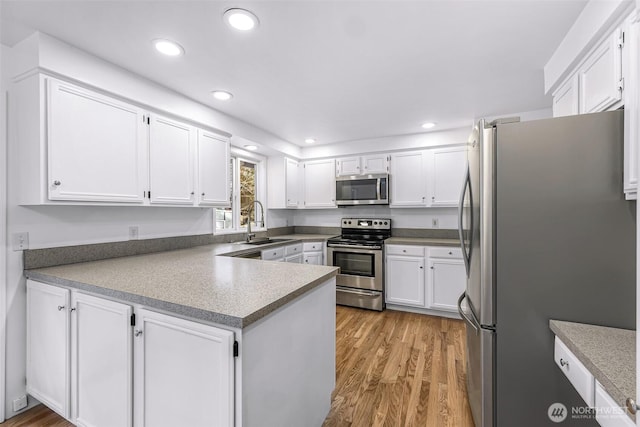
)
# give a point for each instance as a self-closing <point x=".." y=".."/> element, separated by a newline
<point x="465" y="255"/>
<point x="469" y="320"/>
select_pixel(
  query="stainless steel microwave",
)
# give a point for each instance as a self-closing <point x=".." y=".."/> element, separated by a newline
<point x="362" y="190"/>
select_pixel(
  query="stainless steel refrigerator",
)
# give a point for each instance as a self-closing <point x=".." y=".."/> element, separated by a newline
<point x="546" y="234"/>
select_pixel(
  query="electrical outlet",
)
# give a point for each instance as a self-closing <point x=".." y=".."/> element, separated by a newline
<point x="133" y="232"/>
<point x="434" y="222"/>
<point x="20" y="241"/>
<point x="20" y="403"/>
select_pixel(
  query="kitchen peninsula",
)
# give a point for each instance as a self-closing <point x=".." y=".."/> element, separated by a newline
<point x="204" y="339"/>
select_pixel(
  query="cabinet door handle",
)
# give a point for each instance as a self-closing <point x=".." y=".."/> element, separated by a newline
<point x="431" y="267"/>
<point x="203" y="194"/>
<point x="72" y="309"/>
<point x="564" y="363"/>
<point x="421" y="267"/>
<point x="450" y="253"/>
<point x="137" y="332"/>
<point x="56" y="183"/>
<point x="193" y="192"/>
<point x="60" y="307"/>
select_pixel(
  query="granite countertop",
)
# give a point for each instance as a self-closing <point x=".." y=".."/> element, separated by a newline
<point x="194" y="282"/>
<point x="608" y="353"/>
<point x="425" y="241"/>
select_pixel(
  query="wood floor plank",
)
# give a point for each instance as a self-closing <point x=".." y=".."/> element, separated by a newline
<point x="392" y="369"/>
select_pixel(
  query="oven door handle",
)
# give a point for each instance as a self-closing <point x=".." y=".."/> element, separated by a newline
<point x="355" y="249"/>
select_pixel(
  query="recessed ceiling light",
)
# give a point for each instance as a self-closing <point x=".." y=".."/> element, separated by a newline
<point x="309" y="140"/>
<point x="222" y="95"/>
<point x="168" y="47"/>
<point x="251" y="147"/>
<point x="428" y="125"/>
<point x="241" y="19"/>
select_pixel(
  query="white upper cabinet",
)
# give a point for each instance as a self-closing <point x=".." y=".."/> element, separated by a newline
<point x="213" y="169"/>
<point x="565" y="99"/>
<point x="375" y="163"/>
<point x="408" y="179"/>
<point x="348" y="166"/>
<point x="171" y="157"/>
<point x="78" y="146"/>
<point x="445" y="175"/>
<point x="96" y="146"/>
<point x="283" y="184"/>
<point x="292" y="183"/>
<point x="362" y="165"/>
<point x="319" y="184"/>
<point x="601" y="76"/>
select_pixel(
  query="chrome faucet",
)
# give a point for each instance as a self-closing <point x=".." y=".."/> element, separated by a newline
<point x="251" y="235"/>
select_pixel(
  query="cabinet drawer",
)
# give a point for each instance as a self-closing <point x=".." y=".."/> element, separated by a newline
<point x="446" y="252"/>
<point x="609" y="413"/>
<point x="312" y="246"/>
<point x="408" y="250"/>
<point x="575" y="371"/>
<point x="275" y="253"/>
<point x="293" y="249"/>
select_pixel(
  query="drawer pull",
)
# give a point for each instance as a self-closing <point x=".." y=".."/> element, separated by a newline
<point x="564" y="363"/>
<point x="450" y="253"/>
<point x="631" y="406"/>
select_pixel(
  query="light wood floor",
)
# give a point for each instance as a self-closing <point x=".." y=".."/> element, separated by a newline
<point x="399" y="369"/>
<point x="392" y="369"/>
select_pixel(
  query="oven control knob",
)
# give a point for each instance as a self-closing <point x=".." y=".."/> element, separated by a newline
<point x="349" y="222"/>
<point x="375" y="222"/>
<point x="385" y="223"/>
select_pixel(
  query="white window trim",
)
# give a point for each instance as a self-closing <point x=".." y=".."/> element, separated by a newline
<point x="240" y="156"/>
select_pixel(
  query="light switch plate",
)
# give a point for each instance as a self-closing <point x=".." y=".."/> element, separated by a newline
<point x="20" y="241"/>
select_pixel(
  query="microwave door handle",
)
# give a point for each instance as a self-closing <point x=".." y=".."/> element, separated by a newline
<point x="378" y="188"/>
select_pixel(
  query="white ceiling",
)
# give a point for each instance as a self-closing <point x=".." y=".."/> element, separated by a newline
<point x="332" y="70"/>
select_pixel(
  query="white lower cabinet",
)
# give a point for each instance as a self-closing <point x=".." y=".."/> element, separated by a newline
<point x="169" y="392"/>
<point x="101" y="362"/>
<point x="579" y="376"/>
<point x="434" y="289"/>
<point x="313" y="253"/>
<point x="48" y="334"/>
<point x="84" y="362"/>
<point x="79" y="356"/>
<point x="447" y="278"/>
<point x="608" y="412"/>
<point x="405" y="280"/>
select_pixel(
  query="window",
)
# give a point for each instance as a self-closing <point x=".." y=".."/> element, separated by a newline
<point x="244" y="190"/>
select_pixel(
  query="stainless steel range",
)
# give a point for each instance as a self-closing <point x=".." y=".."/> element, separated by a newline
<point x="358" y="253"/>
